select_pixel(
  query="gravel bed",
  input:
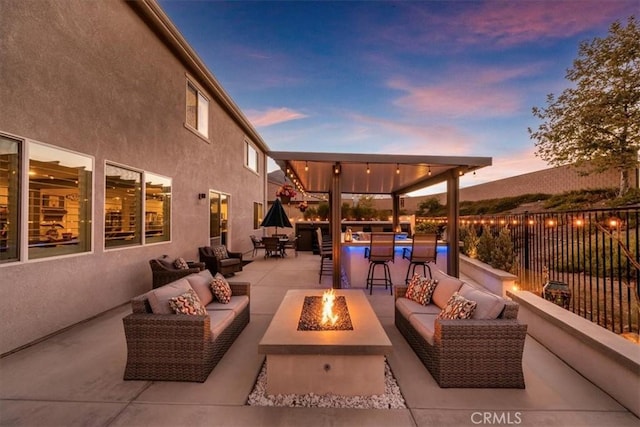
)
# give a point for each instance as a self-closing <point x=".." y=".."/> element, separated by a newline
<point x="391" y="399"/>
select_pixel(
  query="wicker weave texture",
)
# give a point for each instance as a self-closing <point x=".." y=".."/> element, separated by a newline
<point x="471" y="353"/>
<point x="176" y="347"/>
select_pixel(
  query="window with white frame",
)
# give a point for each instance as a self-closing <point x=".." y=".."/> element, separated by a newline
<point x="10" y="150"/>
<point x="60" y="201"/>
<point x="197" y="117"/>
<point x="122" y="207"/>
<point x="157" y="208"/>
<point x="251" y="157"/>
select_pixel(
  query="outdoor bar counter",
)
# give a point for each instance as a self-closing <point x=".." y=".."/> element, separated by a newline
<point x="355" y="266"/>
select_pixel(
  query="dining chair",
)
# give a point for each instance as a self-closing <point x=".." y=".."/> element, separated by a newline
<point x="424" y="250"/>
<point x="257" y="244"/>
<point x="382" y="247"/>
<point x="272" y="247"/>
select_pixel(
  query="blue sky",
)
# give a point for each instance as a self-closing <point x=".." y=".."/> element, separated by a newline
<point x="430" y="78"/>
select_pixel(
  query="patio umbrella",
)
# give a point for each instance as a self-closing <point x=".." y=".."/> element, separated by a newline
<point x="276" y="217"/>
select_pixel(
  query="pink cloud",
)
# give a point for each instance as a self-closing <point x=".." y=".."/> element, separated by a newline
<point x="273" y="116"/>
<point x="463" y="98"/>
<point x="418" y="139"/>
<point x="514" y="22"/>
<point x="501" y="23"/>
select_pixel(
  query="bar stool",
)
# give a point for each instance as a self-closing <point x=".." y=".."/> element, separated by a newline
<point x="381" y="250"/>
<point x="326" y="255"/>
<point x="424" y="250"/>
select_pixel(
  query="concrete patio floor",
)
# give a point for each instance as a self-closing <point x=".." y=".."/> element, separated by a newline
<point x="75" y="378"/>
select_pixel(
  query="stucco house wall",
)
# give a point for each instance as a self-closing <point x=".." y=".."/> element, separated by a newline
<point x="104" y="79"/>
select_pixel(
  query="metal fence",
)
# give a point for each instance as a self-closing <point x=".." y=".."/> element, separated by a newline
<point x="594" y="252"/>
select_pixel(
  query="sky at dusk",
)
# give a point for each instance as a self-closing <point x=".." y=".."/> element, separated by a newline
<point x="454" y="78"/>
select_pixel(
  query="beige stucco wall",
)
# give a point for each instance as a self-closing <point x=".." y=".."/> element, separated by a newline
<point x="94" y="78"/>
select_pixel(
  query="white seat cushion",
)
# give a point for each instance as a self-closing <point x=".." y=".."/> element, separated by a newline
<point x="424" y="324"/>
<point x="237" y="304"/>
<point x="220" y="320"/>
<point x="407" y="308"/>
<point x="488" y="305"/>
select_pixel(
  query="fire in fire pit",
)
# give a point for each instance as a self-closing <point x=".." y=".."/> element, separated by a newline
<point x="326" y="313"/>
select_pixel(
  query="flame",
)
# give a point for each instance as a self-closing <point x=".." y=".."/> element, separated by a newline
<point x="327" y="307"/>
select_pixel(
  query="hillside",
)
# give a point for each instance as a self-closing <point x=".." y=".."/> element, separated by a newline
<point x="571" y="200"/>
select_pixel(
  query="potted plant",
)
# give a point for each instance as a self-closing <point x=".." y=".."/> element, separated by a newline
<point x="286" y="193"/>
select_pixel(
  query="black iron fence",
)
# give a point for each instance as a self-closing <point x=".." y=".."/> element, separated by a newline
<point x="594" y="252"/>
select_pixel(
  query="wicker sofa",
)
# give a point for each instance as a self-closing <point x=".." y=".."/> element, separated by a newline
<point x="165" y="346"/>
<point x="484" y="351"/>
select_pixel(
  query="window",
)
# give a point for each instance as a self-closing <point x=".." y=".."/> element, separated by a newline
<point x="219" y="213"/>
<point x="157" y="208"/>
<point x="60" y="194"/>
<point x="9" y="199"/>
<point x="122" y="207"/>
<point x="257" y="215"/>
<point x="251" y="156"/>
<point x="197" y="110"/>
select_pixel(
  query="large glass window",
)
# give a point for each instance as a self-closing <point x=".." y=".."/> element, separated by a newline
<point x="9" y="199"/>
<point x="60" y="194"/>
<point x="257" y="215"/>
<point x="197" y="110"/>
<point x="251" y="157"/>
<point x="219" y="213"/>
<point x="122" y="207"/>
<point x="157" y="208"/>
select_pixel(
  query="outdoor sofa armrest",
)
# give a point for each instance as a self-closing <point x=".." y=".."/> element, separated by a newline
<point x="235" y="255"/>
<point x="488" y="333"/>
<point x="142" y="329"/>
<point x="400" y="291"/>
<point x="240" y="288"/>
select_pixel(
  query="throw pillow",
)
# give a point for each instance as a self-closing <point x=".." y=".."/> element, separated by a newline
<point x="220" y="252"/>
<point x="187" y="303"/>
<point x="421" y="289"/>
<point x="221" y="289"/>
<point x="458" y="307"/>
<point x="180" y="264"/>
<point x="428" y="287"/>
<point x="414" y="285"/>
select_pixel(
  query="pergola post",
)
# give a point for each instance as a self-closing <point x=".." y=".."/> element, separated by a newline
<point x="395" y="211"/>
<point x="453" y="221"/>
<point x="335" y="201"/>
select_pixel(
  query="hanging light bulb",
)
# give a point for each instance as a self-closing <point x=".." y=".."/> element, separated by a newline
<point x="368" y="170"/>
<point x="306" y="166"/>
<point x="429" y="171"/>
<point x="397" y="169"/>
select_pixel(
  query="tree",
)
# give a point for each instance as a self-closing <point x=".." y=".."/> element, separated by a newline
<point x="430" y="206"/>
<point x="595" y="124"/>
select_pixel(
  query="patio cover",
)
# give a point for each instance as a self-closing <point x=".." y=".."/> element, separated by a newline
<point x="387" y="174"/>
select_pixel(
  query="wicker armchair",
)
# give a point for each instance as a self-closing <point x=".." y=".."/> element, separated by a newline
<point x="164" y="271"/>
<point x="227" y="264"/>
<point x="171" y="347"/>
<point x="470" y="353"/>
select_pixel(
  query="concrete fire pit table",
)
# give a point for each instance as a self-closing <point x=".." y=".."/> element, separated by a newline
<point x="345" y="362"/>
